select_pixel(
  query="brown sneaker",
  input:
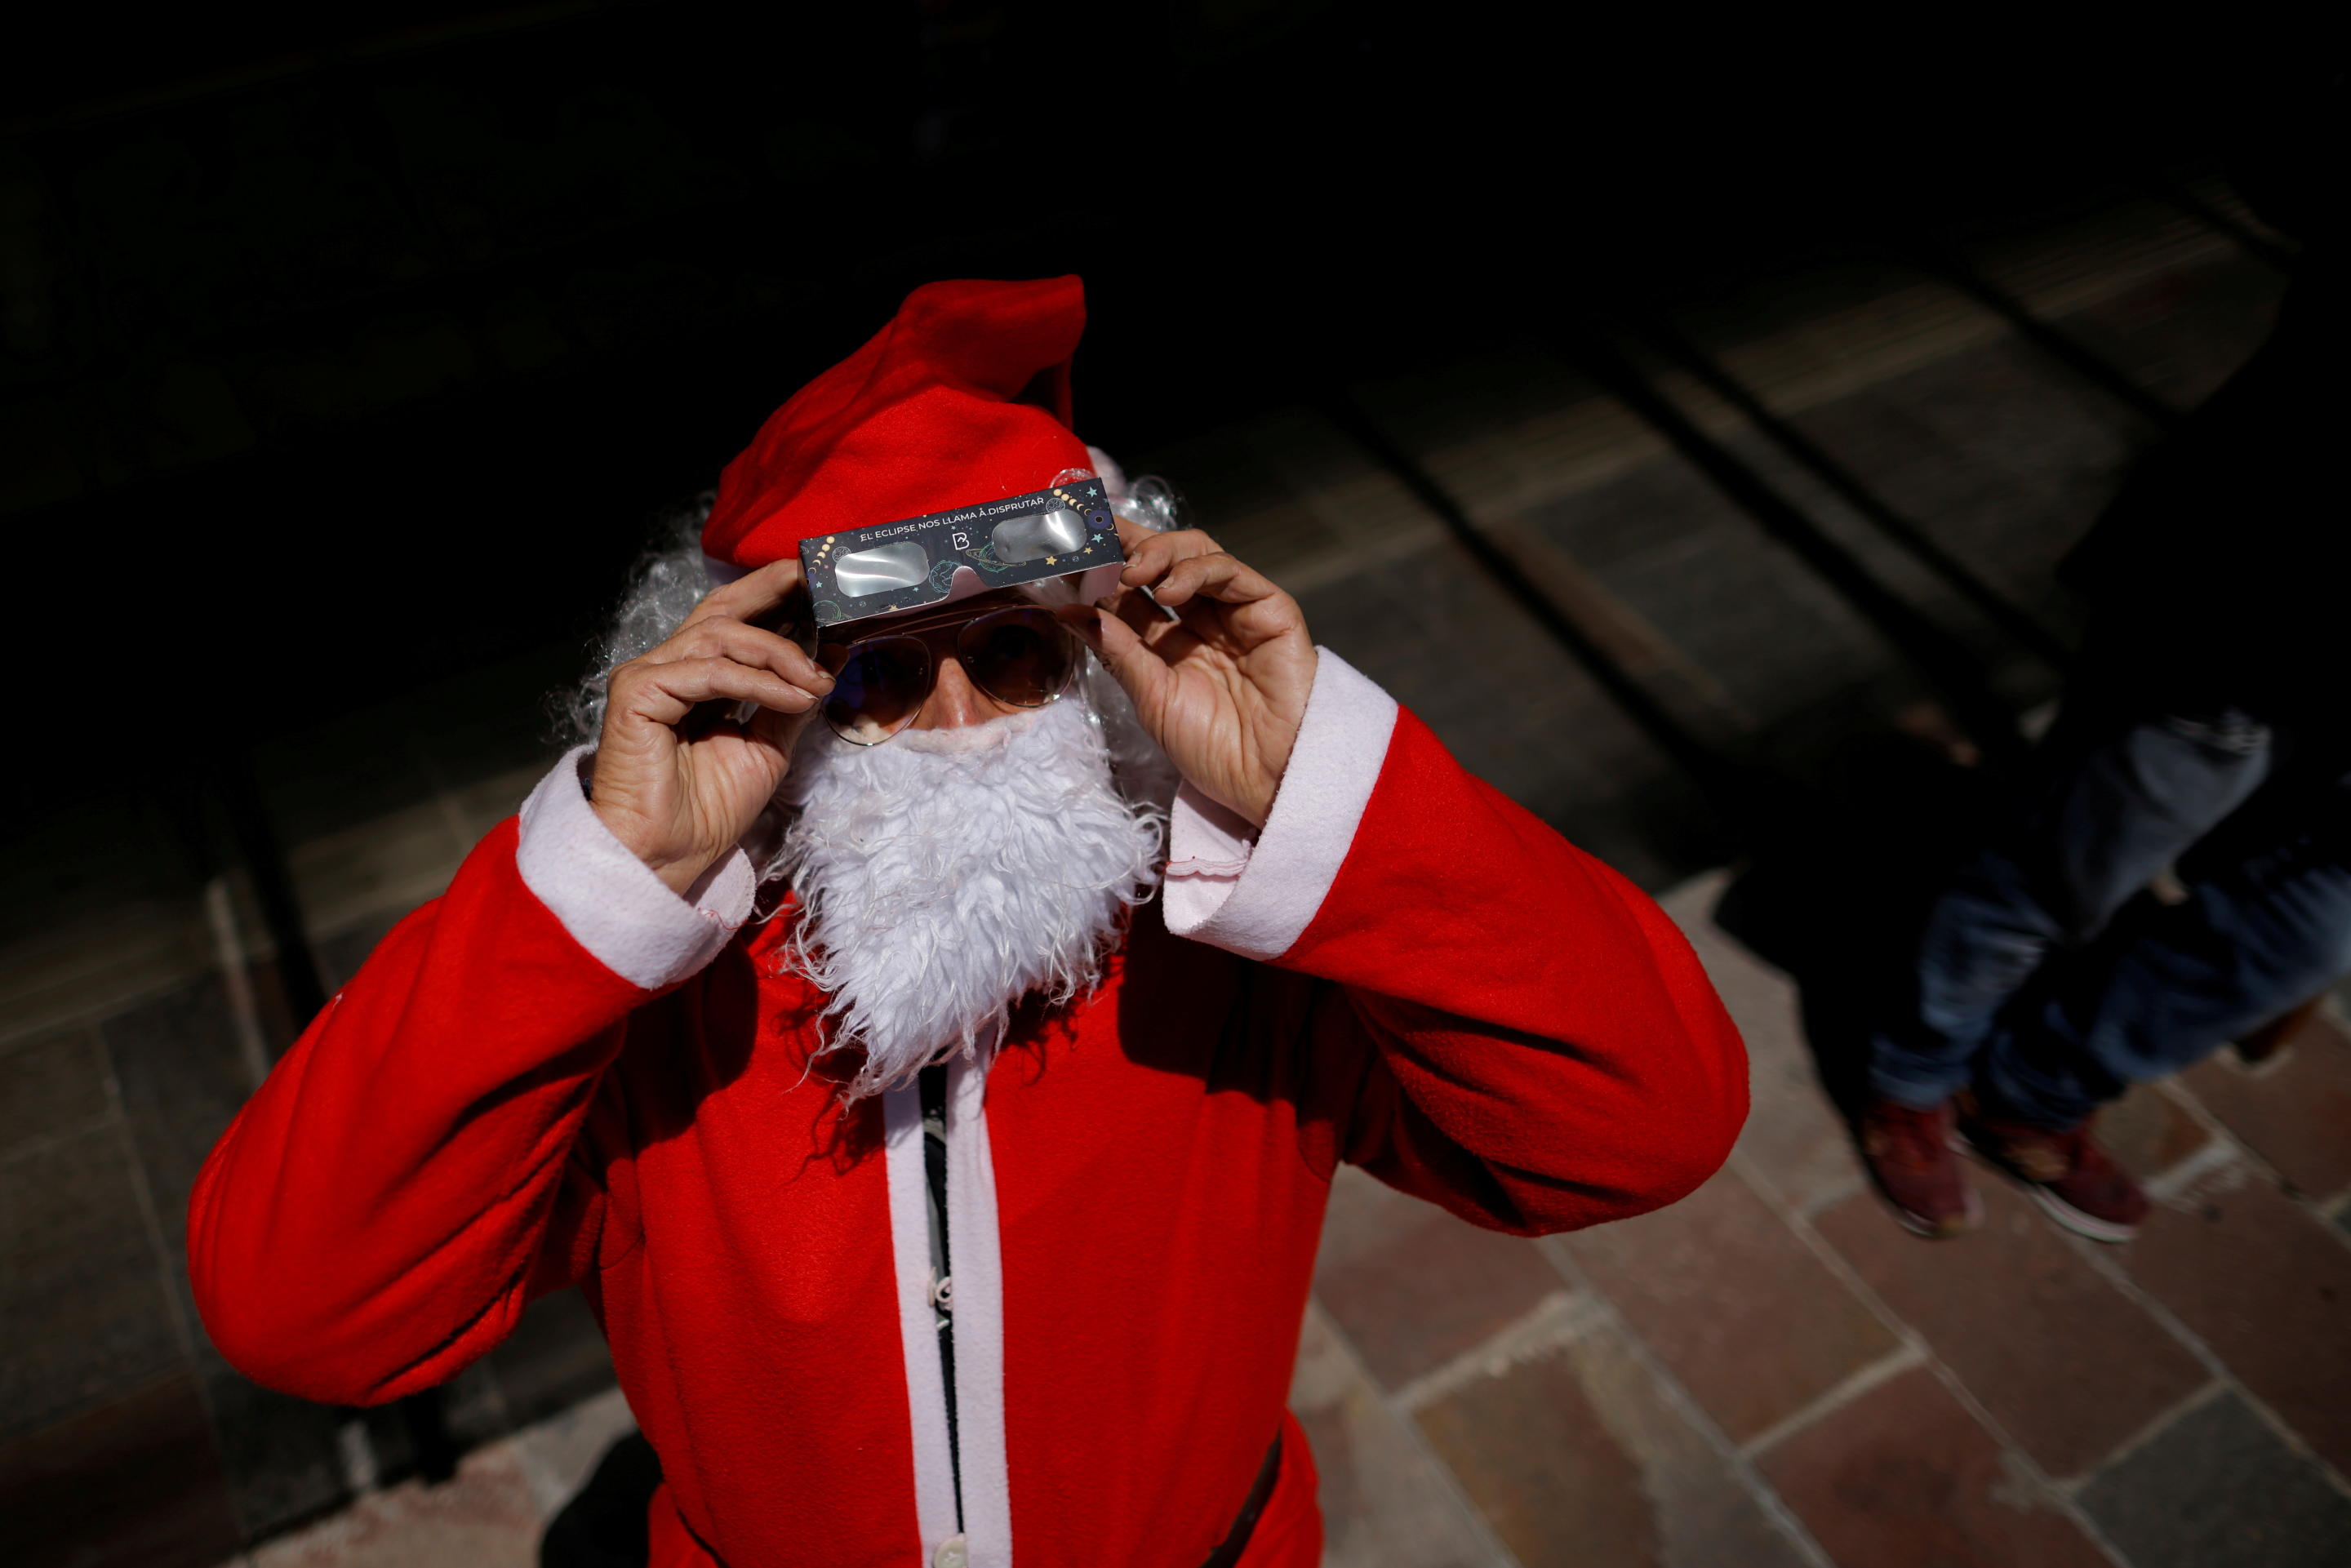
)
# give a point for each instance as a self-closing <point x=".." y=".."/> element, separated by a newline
<point x="1909" y="1154"/>
<point x="2075" y="1182"/>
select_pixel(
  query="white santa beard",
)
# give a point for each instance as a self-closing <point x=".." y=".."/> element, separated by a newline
<point x="947" y="874"/>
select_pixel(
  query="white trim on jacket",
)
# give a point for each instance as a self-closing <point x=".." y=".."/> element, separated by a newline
<point x="1255" y="894"/>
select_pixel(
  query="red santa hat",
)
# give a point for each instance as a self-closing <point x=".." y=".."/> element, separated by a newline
<point x="963" y="397"/>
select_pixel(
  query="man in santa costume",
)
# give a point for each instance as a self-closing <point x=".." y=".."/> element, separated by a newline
<point x="946" y="1198"/>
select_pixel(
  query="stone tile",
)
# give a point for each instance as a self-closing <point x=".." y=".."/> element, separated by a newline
<point x="352" y="768"/>
<point x="1987" y="451"/>
<point x="1704" y="1515"/>
<point x="474" y="1405"/>
<point x="1384" y="1501"/>
<point x="79" y="965"/>
<point x="1533" y="724"/>
<point x="274" y="1010"/>
<point x="1230" y="482"/>
<point x="2218" y="1488"/>
<point x="2294" y="1110"/>
<point x="560" y="1453"/>
<point x="1904" y="1476"/>
<point x="1544" y="1469"/>
<point x="484" y="1517"/>
<point x="1515" y="1434"/>
<point x="1792" y="1140"/>
<point x="394" y="861"/>
<point x="2268" y="1286"/>
<point x="84" y="1311"/>
<point x="1411" y="1286"/>
<point x="340" y="956"/>
<point x="555" y="1358"/>
<point x="2148" y="1133"/>
<point x="2067" y="1363"/>
<point x="1777" y="637"/>
<point x="281" y="1453"/>
<point x="1752" y="1323"/>
<point x="184" y="1078"/>
<point x="2178" y="332"/>
<point x="130" y="1484"/>
<point x="484" y="804"/>
<point x="390" y="1444"/>
<point x="48" y="1085"/>
<point x="1382" y="582"/>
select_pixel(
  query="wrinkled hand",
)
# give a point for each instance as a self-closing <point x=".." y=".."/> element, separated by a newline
<point x="1223" y="688"/>
<point x="677" y="794"/>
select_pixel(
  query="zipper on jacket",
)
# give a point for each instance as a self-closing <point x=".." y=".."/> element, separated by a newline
<point x="933" y="1088"/>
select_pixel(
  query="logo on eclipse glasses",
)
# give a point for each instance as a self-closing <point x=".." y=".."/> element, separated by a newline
<point x="880" y="570"/>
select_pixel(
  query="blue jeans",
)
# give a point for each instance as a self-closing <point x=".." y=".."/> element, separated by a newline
<point x="2048" y="981"/>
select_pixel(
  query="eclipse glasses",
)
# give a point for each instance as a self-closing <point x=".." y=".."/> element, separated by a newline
<point x="859" y="573"/>
<point x="1018" y="654"/>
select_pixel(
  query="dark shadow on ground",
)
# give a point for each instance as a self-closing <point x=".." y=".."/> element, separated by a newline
<point x="1837" y="891"/>
<point x="603" y="1525"/>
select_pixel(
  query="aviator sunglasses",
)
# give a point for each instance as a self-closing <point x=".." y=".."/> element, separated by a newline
<point x="1018" y="654"/>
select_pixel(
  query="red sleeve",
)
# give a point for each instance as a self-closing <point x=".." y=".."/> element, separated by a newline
<point x="1545" y="1051"/>
<point x="378" y="1214"/>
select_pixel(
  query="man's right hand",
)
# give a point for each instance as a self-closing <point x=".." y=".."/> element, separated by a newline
<point x="680" y="799"/>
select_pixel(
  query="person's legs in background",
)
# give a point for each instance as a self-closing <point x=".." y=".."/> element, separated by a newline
<point x="2124" y="790"/>
<point x="2266" y="924"/>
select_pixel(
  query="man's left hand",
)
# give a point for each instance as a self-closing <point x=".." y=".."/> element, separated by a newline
<point x="1223" y="687"/>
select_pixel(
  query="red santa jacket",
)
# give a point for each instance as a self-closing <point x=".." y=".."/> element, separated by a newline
<point x="560" y="1073"/>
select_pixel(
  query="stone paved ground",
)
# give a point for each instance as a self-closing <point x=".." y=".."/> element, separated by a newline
<point x="490" y="1515"/>
<point x="1768" y="1372"/>
<point x="1773" y="1372"/>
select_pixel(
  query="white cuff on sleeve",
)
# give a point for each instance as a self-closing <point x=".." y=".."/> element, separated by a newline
<point x="1255" y="893"/>
<point x="610" y="901"/>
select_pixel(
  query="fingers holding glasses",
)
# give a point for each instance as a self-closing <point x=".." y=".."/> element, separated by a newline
<point x="1222" y="688"/>
<point x="663" y="692"/>
<point x="1186" y="568"/>
<point x="1136" y="601"/>
<point x="722" y="636"/>
<point x="677" y="791"/>
<point x="674" y="780"/>
<point x="1149" y="555"/>
<point x="1212" y="575"/>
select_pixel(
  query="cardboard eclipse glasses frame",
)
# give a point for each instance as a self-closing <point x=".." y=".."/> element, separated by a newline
<point x="860" y="573"/>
